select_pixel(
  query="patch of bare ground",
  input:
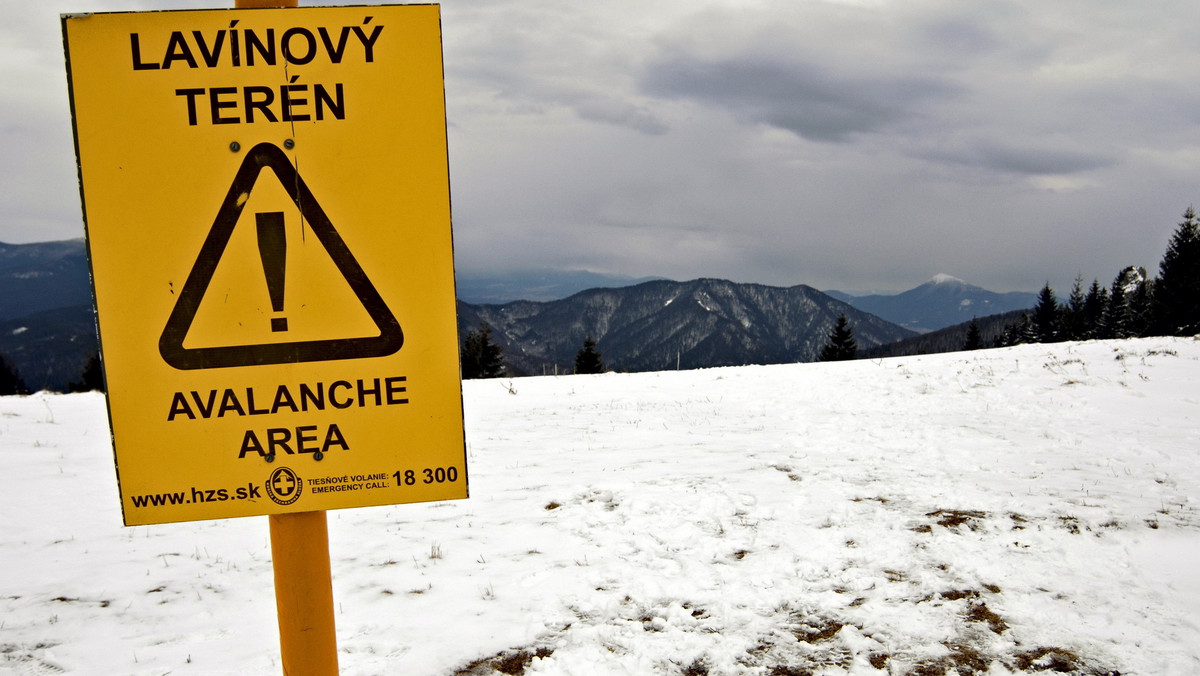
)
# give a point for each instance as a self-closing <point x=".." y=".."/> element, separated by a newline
<point x="824" y="651"/>
<point x="953" y="518"/>
<point x="964" y="660"/>
<point x="817" y="631"/>
<point x="511" y="662"/>
<point x="979" y="612"/>
<point x="1056" y="660"/>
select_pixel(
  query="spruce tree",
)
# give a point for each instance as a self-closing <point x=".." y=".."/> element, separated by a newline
<point x="1074" y="321"/>
<point x="1141" y="306"/>
<point x="1006" y="337"/>
<point x="1045" y="316"/>
<point x="10" y="380"/>
<point x="841" y="344"/>
<point x="974" y="339"/>
<point x="480" y="356"/>
<point x="1019" y="332"/>
<point x="1115" y="323"/>
<point x="588" y="360"/>
<point x="1094" y="305"/>
<point x="1177" y="292"/>
<point x="92" y="378"/>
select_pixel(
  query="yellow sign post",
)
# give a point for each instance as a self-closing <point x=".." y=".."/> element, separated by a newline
<point x="267" y="213"/>
<point x="268" y="223"/>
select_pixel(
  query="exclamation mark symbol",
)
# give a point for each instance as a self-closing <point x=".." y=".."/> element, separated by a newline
<point x="272" y="247"/>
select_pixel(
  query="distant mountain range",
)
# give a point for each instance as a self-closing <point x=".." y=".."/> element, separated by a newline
<point x="663" y="325"/>
<point x="942" y="301"/>
<point x="43" y="276"/>
<point x="48" y="329"/>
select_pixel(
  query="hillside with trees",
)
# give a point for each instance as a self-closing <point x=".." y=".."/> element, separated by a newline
<point x="1133" y="305"/>
<point x="950" y="339"/>
<point x="666" y="325"/>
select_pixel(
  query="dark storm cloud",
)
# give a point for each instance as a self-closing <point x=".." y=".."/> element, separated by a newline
<point x="805" y="100"/>
<point x="808" y="100"/>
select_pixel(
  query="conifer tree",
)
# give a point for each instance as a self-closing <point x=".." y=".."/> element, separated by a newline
<point x="1115" y="321"/>
<point x="1177" y="292"/>
<point x="974" y="339"/>
<point x="1094" y="305"/>
<point x="480" y="356"/>
<point x="588" y="360"/>
<point x="92" y="378"/>
<point x="10" y="380"/>
<point x="1074" y="321"/>
<point x="1019" y="332"/>
<point x="1141" y="306"/>
<point x="1045" y="316"/>
<point x="1006" y="339"/>
<point x="1026" y="332"/>
<point x="841" y="344"/>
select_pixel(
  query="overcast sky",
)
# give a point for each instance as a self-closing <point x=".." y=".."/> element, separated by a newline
<point x="863" y="145"/>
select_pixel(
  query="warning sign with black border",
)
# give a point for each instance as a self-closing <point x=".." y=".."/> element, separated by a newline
<point x="267" y="208"/>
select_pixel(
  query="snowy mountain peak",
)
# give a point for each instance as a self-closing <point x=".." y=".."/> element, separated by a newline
<point x="943" y="278"/>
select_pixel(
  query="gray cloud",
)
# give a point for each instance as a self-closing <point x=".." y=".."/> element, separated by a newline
<point x="806" y="99"/>
<point x="621" y="113"/>
<point x="1034" y="159"/>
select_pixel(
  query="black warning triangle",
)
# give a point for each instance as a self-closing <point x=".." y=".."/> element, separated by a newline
<point x="170" y="344"/>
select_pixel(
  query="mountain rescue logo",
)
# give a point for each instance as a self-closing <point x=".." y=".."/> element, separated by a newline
<point x="284" y="486"/>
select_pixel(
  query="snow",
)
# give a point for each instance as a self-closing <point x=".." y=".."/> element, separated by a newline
<point x="999" y="511"/>
<point x="943" y="278"/>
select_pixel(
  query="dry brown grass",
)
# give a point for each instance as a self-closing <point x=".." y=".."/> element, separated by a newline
<point x="1048" y="659"/>
<point x="953" y="518"/>
<point x="981" y="613"/>
<point x="513" y="663"/>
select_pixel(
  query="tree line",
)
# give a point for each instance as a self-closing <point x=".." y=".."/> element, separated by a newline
<point x="1133" y="305"/>
<point x="482" y="358"/>
<point x="10" y="380"/>
<point x="91" y="378"/>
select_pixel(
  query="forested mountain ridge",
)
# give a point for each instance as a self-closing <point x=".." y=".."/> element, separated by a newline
<point x="664" y="324"/>
<point x="47" y="327"/>
<point x="47" y="330"/>
<point x="950" y="339"/>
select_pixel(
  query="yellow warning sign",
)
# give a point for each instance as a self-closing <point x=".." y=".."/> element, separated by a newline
<point x="267" y="211"/>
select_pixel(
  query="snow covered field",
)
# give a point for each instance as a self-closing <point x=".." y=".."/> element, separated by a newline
<point x="1008" y="511"/>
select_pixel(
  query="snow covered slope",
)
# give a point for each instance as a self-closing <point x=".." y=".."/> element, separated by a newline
<point x="1004" y="511"/>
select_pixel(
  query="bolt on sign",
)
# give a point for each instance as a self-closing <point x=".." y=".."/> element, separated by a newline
<point x="267" y="207"/>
